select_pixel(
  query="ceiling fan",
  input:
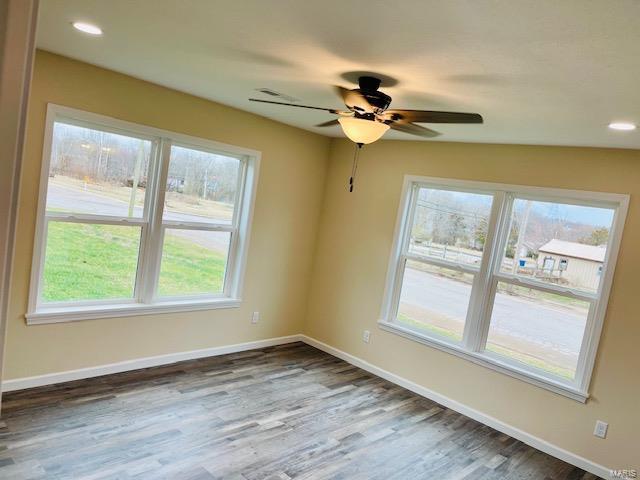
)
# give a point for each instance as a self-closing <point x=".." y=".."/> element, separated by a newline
<point x="368" y="116"/>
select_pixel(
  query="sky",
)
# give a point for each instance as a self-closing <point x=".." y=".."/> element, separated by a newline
<point x="598" y="217"/>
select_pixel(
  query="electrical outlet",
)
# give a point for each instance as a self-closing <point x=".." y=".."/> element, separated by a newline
<point x="601" y="429"/>
<point x="366" y="336"/>
<point x="255" y="317"/>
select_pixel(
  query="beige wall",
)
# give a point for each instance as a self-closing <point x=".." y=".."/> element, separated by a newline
<point x="18" y="20"/>
<point x="282" y="241"/>
<point x="300" y="218"/>
<point x="351" y="261"/>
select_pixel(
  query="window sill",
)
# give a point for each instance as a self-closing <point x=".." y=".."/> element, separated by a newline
<point x="488" y="361"/>
<point x="73" y="314"/>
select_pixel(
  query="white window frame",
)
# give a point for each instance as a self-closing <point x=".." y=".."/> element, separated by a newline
<point x="487" y="276"/>
<point x="145" y="299"/>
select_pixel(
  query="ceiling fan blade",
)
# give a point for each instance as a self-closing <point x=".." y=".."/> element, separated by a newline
<point x="353" y="99"/>
<point x="332" y="110"/>
<point x="330" y="123"/>
<point x="413" y="129"/>
<point x="431" y="116"/>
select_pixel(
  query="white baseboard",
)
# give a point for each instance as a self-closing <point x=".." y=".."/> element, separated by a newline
<point x="146" y="362"/>
<point x="492" y="422"/>
<point x="538" y="443"/>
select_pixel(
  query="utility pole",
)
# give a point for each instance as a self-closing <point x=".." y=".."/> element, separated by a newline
<point x="101" y="148"/>
<point x="136" y="178"/>
<point x="521" y="234"/>
<point x="206" y="183"/>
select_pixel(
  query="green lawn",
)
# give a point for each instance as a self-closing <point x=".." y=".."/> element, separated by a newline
<point x="443" y="332"/>
<point x="95" y="262"/>
<point x="501" y="350"/>
<point x="188" y="268"/>
<point x="532" y="361"/>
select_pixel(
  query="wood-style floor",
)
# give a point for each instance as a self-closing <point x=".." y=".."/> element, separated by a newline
<point x="288" y="412"/>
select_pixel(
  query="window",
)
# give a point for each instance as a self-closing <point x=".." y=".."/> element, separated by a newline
<point x="515" y="278"/>
<point x="197" y="221"/>
<point x="443" y="256"/>
<point x="135" y="220"/>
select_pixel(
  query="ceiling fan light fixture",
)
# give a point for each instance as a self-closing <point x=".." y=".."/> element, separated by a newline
<point x="360" y="130"/>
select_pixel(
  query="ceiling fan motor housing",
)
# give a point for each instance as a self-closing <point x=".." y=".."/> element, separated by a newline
<point x="378" y="101"/>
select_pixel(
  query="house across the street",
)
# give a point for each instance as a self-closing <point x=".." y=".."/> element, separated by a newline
<point x="577" y="264"/>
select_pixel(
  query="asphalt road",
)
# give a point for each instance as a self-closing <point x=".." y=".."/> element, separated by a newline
<point x="73" y="199"/>
<point x="556" y="328"/>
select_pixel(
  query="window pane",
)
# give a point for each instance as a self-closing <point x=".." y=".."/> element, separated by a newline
<point x="450" y="225"/>
<point x="193" y="262"/>
<point x="201" y="186"/>
<point x="558" y="243"/>
<point x="90" y="262"/>
<point x="434" y="300"/>
<point x="97" y="172"/>
<point x="542" y="330"/>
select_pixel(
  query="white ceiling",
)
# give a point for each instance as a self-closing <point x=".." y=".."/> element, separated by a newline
<point x="539" y="71"/>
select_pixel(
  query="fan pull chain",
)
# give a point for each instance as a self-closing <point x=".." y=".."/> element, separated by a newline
<point x="354" y="167"/>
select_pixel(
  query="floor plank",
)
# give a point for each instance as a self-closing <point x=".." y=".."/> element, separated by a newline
<point x="278" y="413"/>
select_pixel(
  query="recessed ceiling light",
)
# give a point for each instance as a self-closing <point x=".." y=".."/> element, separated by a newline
<point x="622" y="126"/>
<point x="87" y="28"/>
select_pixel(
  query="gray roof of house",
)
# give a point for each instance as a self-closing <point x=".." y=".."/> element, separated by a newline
<point x="573" y="249"/>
